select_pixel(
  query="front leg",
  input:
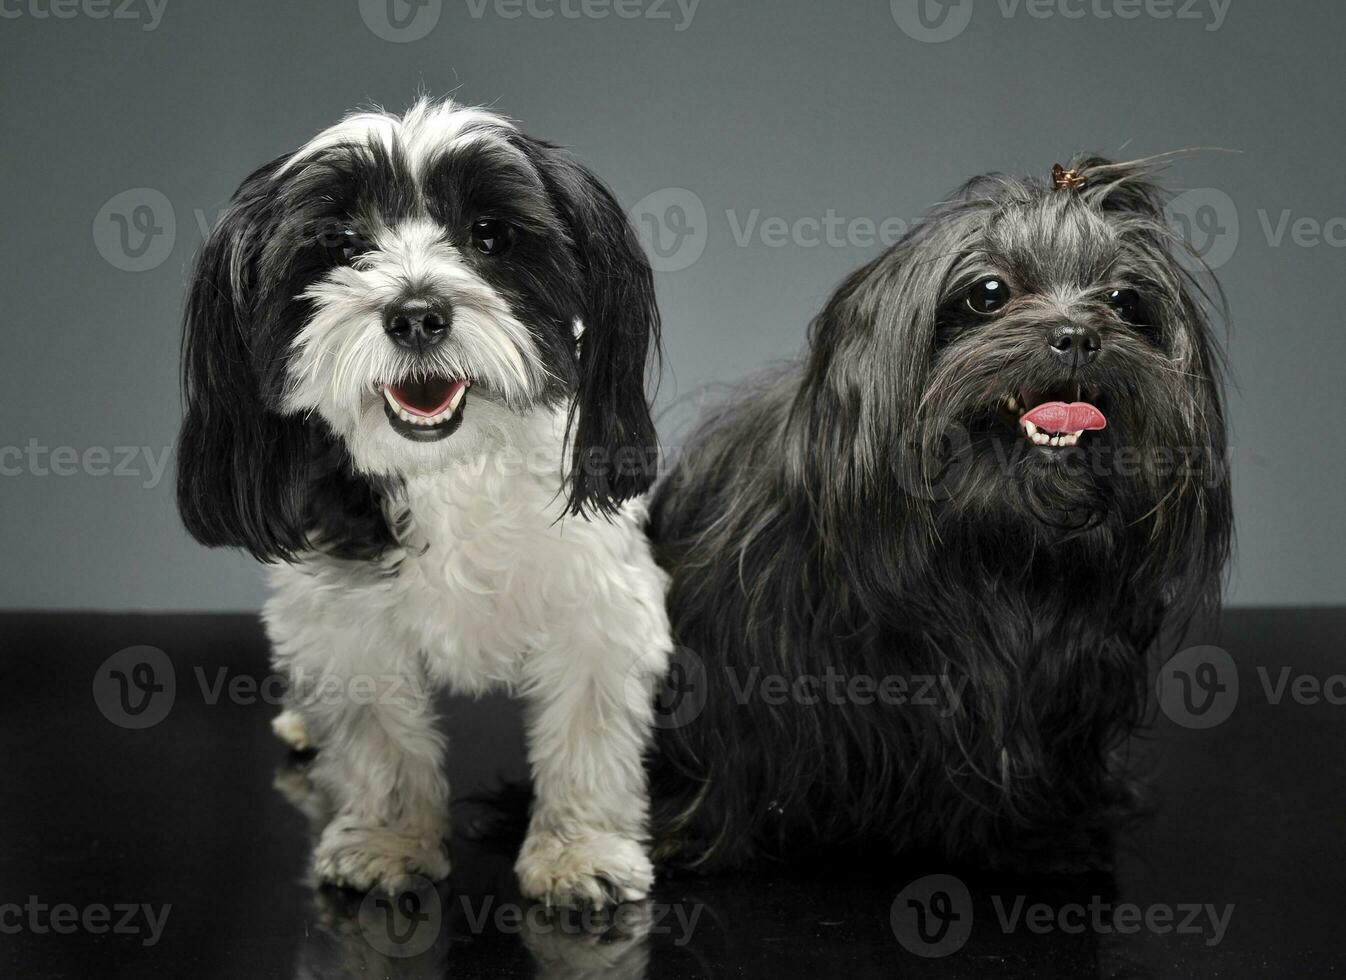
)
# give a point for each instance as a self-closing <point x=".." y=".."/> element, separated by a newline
<point x="590" y="716"/>
<point x="383" y="762"/>
<point x="363" y="696"/>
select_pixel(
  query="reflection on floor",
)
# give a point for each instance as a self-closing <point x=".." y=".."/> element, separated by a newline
<point x="153" y="826"/>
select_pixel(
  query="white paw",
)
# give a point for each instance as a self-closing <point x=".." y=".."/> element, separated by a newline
<point x="595" y="870"/>
<point x="290" y="728"/>
<point x="364" y="858"/>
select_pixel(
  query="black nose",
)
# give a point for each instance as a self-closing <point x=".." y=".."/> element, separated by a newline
<point x="1076" y="346"/>
<point x="416" y="324"/>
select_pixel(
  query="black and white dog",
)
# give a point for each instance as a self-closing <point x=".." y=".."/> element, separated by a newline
<point x="415" y="364"/>
<point x="921" y="570"/>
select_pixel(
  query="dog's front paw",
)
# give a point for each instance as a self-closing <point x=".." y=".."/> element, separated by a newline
<point x="364" y="858"/>
<point x="593" y="870"/>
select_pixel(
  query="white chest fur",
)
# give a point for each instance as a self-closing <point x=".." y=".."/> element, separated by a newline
<point x="489" y="570"/>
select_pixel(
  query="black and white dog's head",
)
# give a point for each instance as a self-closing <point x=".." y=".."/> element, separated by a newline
<point x="394" y="297"/>
<point x="1031" y="362"/>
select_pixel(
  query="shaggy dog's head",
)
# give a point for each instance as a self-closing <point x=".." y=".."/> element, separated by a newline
<point x="391" y="299"/>
<point x="1033" y="362"/>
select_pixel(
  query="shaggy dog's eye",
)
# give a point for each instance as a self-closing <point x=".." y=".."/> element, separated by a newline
<point x="491" y="236"/>
<point x="1126" y="304"/>
<point x="988" y="296"/>
<point x="347" y="244"/>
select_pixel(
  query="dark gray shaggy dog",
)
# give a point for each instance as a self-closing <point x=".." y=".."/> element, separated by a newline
<point x="919" y="572"/>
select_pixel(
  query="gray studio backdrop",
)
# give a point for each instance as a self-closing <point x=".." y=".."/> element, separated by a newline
<point x="765" y="148"/>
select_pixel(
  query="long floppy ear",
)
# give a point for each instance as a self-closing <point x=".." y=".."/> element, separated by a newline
<point x="242" y="466"/>
<point x="1197" y="516"/>
<point x="869" y="356"/>
<point x="613" y="445"/>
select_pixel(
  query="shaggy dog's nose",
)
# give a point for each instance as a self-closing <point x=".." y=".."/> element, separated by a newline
<point x="417" y="325"/>
<point x="1076" y="346"/>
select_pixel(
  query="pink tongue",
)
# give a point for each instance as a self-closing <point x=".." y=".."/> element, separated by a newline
<point x="1064" y="417"/>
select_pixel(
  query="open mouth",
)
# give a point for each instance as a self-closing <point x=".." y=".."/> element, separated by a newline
<point x="425" y="409"/>
<point x="1057" y="418"/>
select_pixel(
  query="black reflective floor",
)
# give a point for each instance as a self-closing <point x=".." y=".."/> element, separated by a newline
<point x="179" y="848"/>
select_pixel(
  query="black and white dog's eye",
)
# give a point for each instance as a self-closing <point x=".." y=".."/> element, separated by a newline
<point x="1126" y="304"/>
<point x="490" y="236"/>
<point x="347" y="244"/>
<point x="988" y="296"/>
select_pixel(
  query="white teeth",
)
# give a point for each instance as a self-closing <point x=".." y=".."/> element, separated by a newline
<point x="1040" y="438"/>
<point x="427" y="420"/>
<point x="456" y="400"/>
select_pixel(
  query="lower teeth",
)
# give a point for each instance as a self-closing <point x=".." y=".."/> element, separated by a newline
<point x="1060" y="439"/>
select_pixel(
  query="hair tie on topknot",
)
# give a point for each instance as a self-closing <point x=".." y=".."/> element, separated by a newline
<point x="1063" y="179"/>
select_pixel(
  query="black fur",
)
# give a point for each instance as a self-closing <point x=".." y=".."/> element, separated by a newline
<point x="252" y="476"/>
<point x="870" y="512"/>
<point x="243" y="467"/>
<point x="614" y="443"/>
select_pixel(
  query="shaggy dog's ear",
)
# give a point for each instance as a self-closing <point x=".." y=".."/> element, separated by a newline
<point x="1196" y="517"/>
<point x="242" y="466"/>
<point x="870" y="354"/>
<point x="613" y="446"/>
